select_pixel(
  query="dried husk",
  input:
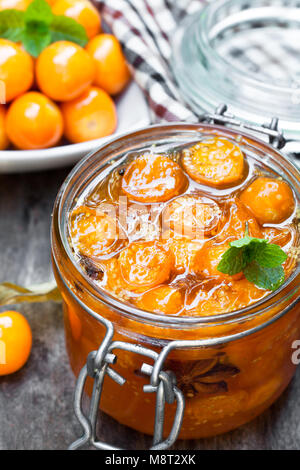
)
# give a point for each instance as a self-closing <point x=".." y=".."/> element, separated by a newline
<point x="13" y="294"/>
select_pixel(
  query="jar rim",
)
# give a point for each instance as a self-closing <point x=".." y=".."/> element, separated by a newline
<point x="211" y="11"/>
<point x="100" y="294"/>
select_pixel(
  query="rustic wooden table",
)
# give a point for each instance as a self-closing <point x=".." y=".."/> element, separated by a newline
<point x="36" y="403"/>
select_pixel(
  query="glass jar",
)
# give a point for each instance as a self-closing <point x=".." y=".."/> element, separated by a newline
<point x="244" y="54"/>
<point x="229" y="367"/>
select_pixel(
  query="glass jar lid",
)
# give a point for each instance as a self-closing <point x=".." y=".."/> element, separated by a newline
<point x="245" y="54"/>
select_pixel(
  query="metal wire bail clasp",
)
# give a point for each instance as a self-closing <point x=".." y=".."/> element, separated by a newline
<point x="98" y="365"/>
<point x="270" y="130"/>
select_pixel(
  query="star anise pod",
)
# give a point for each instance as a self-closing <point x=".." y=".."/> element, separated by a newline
<point x="203" y="376"/>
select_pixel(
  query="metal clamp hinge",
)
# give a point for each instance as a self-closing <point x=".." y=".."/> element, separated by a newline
<point x="270" y="130"/>
<point x="163" y="384"/>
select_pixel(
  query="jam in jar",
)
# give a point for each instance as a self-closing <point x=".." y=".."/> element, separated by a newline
<point x="184" y="233"/>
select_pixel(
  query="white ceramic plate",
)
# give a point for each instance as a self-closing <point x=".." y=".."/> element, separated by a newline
<point x="132" y="114"/>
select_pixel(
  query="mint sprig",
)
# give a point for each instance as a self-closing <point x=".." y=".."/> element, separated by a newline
<point x="258" y="259"/>
<point x="38" y="27"/>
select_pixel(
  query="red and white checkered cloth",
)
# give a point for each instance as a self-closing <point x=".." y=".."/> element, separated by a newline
<point x="145" y="29"/>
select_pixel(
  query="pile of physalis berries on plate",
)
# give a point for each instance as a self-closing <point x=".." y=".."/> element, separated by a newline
<point x="200" y="230"/>
<point x="58" y="73"/>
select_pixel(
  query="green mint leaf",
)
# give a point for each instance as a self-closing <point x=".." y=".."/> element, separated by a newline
<point x="39" y="11"/>
<point x="270" y="256"/>
<point x="239" y="255"/>
<point x="35" y="39"/>
<point x="259" y="260"/>
<point x="36" y="35"/>
<point x="246" y="241"/>
<point x="11" y="24"/>
<point x="66" y="29"/>
<point x="266" y="278"/>
<point x="233" y="261"/>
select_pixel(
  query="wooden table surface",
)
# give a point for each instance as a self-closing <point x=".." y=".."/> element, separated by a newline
<point x="36" y="409"/>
